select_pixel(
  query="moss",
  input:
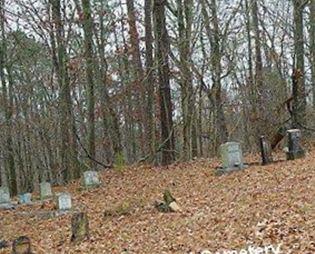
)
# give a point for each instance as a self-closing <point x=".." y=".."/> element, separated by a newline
<point x="119" y="162"/>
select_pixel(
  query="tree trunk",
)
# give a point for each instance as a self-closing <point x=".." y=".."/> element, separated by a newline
<point x="139" y="90"/>
<point x="184" y="15"/>
<point x="258" y="93"/>
<point x="312" y="45"/>
<point x="299" y="101"/>
<point x="220" y="120"/>
<point x="149" y="81"/>
<point x="7" y="96"/>
<point x="214" y="95"/>
<point x="67" y="149"/>
<point x="162" y="55"/>
<point x="90" y="65"/>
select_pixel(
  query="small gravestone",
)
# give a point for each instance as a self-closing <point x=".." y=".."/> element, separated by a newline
<point x="295" y="150"/>
<point x="232" y="157"/>
<point x="25" y="198"/>
<point x="21" y="245"/>
<point x="168" y="204"/>
<point x="64" y="201"/>
<point x="265" y="150"/>
<point x="4" y="195"/>
<point x="79" y="227"/>
<point x="91" y="179"/>
<point x="45" y="190"/>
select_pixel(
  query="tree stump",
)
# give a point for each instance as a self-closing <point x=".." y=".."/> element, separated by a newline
<point x="266" y="152"/>
<point x="79" y="227"/>
<point x="21" y="245"/>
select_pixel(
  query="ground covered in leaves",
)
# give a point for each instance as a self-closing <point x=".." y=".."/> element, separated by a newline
<point x="261" y="205"/>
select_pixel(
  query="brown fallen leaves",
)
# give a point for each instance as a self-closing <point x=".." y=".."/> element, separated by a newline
<point x="274" y="204"/>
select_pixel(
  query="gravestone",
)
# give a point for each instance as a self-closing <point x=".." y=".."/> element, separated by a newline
<point x="265" y="150"/>
<point x="45" y="190"/>
<point x="91" y="179"/>
<point x="232" y="156"/>
<point x="64" y="201"/>
<point x="4" y="195"/>
<point x="25" y="198"/>
<point x="295" y="150"/>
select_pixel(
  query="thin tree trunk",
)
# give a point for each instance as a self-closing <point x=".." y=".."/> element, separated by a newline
<point x="184" y="15"/>
<point x="67" y="151"/>
<point x="149" y="80"/>
<point x="162" y="55"/>
<point x="7" y="94"/>
<point x="312" y="45"/>
<point x="299" y="101"/>
<point x="139" y="90"/>
<point x="216" y="77"/>
<point x="258" y="83"/>
<point x="90" y="65"/>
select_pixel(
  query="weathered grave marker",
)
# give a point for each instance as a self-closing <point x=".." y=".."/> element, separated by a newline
<point x="168" y="204"/>
<point x="25" y="198"/>
<point x="91" y="179"/>
<point x="265" y="150"/>
<point x="295" y="150"/>
<point x="21" y="245"/>
<point x="79" y="227"/>
<point x="232" y="156"/>
<point x="45" y="190"/>
<point x="64" y="201"/>
<point x="4" y="195"/>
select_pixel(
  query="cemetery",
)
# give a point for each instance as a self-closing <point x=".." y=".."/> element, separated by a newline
<point x="62" y="211"/>
<point x="157" y="126"/>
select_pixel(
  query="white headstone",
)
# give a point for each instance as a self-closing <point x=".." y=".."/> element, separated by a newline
<point x="91" y="179"/>
<point x="4" y="195"/>
<point x="25" y="198"/>
<point x="232" y="156"/>
<point x="45" y="190"/>
<point x="64" y="201"/>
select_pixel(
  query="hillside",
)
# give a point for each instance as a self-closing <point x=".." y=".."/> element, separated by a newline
<point x="259" y="206"/>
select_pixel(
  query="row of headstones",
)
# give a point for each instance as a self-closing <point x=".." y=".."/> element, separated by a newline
<point x="232" y="157"/>
<point x="90" y="179"/>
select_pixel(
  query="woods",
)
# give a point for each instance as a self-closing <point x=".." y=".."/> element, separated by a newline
<point x="91" y="85"/>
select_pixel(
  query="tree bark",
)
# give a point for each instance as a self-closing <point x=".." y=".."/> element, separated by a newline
<point x="68" y="152"/>
<point x="139" y="90"/>
<point x="184" y="15"/>
<point x="298" y="82"/>
<point x="149" y="80"/>
<point x="312" y="45"/>
<point x="90" y="65"/>
<point x="7" y="96"/>
<point x="162" y="55"/>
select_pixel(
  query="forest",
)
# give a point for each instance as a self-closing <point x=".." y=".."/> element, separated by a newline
<point x="127" y="87"/>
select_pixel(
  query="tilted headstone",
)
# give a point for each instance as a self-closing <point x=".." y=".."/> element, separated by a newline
<point x="295" y="149"/>
<point x="265" y="150"/>
<point x="45" y="190"/>
<point x="64" y="201"/>
<point x="4" y="195"/>
<point x="232" y="156"/>
<point x="91" y="179"/>
<point x="25" y="198"/>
